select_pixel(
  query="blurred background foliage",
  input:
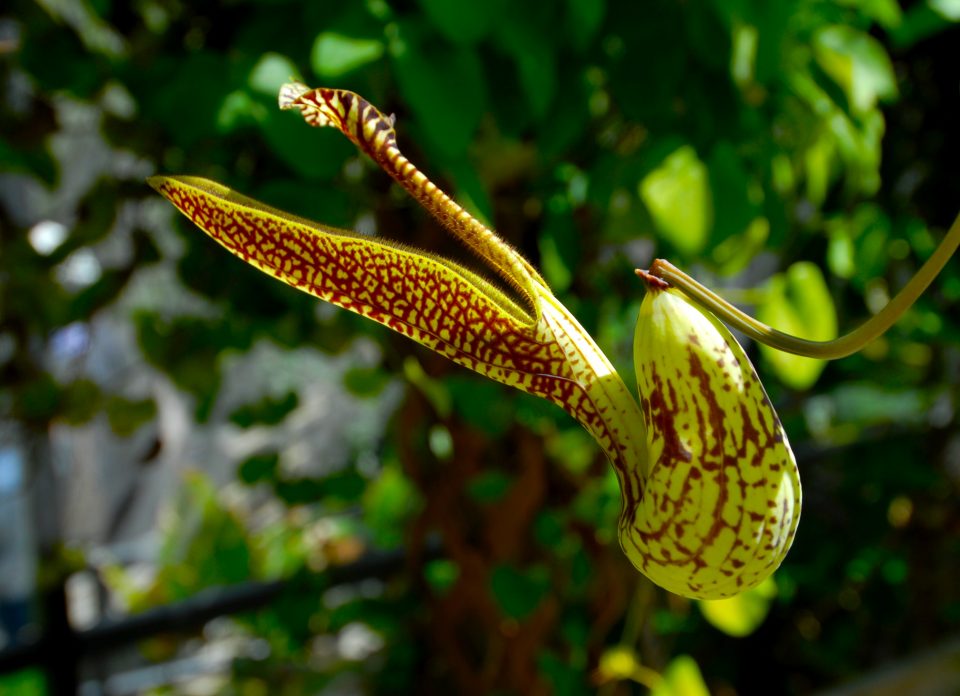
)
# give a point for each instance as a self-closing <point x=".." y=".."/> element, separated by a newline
<point x="798" y="156"/>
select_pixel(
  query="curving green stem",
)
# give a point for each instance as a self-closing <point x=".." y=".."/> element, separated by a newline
<point x="840" y="347"/>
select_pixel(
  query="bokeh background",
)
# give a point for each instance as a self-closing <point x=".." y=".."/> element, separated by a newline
<point x="292" y="500"/>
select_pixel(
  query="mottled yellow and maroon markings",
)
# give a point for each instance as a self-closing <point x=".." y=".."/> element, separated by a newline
<point x="435" y="302"/>
<point x="621" y="432"/>
<point x="374" y="134"/>
<point x="711" y="497"/>
<point x="722" y="501"/>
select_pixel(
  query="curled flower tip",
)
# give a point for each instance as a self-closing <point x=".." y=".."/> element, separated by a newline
<point x="290" y="92"/>
<point x="653" y="282"/>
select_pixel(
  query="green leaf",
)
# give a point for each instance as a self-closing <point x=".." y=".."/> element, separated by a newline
<point x="743" y="54"/>
<point x="441" y="574"/>
<point x="530" y="48"/>
<point x="193" y="92"/>
<point x="490" y="486"/>
<point x="549" y="529"/>
<point x="440" y="442"/>
<point x="444" y="85"/>
<point x="260" y="467"/>
<point x="573" y="448"/>
<point x="736" y="197"/>
<point x="270" y="72"/>
<point x="388" y="505"/>
<point x="25" y="682"/>
<point x="734" y="254"/>
<point x="335" y="55"/>
<point x="31" y="160"/>
<point x="462" y="21"/>
<point x="205" y="544"/>
<point x="519" y="593"/>
<point x="858" y="247"/>
<point x="681" y="677"/>
<point x="481" y="404"/>
<point x="818" y="161"/>
<point x="922" y="20"/>
<point x="798" y="302"/>
<point x="678" y="196"/>
<point x="79" y="401"/>
<point x="584" y="19"/>
<point x="239" y="109"/>
<point x="266" y="411"/>
<point x="948" y="9"/>
<point x="471" y="192"/>
<point x="858" y="63"/>
<point x="317" y="153"/>
<point x="346" y="486"/>
<point x="559" y="251"/>
<point x="365" y="382"/>
<point x="887" y="13"/>
<point x="742" y="614"/>
<point x="126" y="416"/>
<point x="565" y="679"/>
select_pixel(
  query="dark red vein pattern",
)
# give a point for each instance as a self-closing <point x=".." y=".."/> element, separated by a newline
<point x="723" y="497"/>
<point x="710" y="491"/>
<point x="374" y="134"/>
<point x="430" y="301"/>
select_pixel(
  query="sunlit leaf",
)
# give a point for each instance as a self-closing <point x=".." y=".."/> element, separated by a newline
<point x="818" y="162"/>
<point x="271" y="71"/>
<point x="239" y="109"/>
<point x="334" y="54"/>
<point x="735" y="253"/>
<point x="678" y="196"/>
<point x="618" y="663"/>
<point x="949" y="9"/>
<point x="743" y="57"/>
<point x="441" y="574"/>
<point x="681" y="677"/>
<point x="388" y="503"/>
<point x="858" y="63"/>
<point x="798" y="302"/>
<point x="205" y="543"/>
<point x="559" y="251"/>
<point x="742" y="614"/>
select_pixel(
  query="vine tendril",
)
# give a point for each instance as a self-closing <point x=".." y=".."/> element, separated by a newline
<point x="840" y="347"/>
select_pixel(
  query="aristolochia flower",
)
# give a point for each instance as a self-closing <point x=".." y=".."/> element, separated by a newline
<point x="711" y="495"/>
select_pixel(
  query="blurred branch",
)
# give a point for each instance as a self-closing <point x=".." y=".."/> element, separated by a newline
<point x="194" y="612"/>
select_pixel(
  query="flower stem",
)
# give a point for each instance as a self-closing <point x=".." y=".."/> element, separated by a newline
<point x="826" y="350"/>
